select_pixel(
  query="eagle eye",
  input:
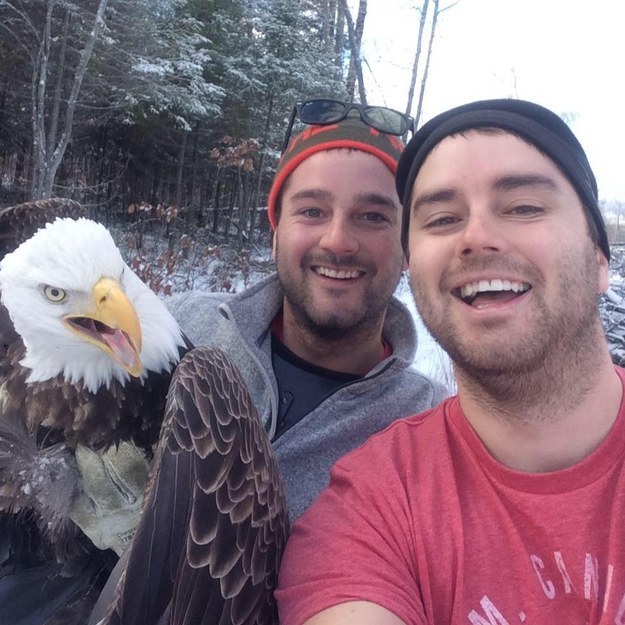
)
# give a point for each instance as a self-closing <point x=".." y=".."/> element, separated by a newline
<point x="54" y="294"/>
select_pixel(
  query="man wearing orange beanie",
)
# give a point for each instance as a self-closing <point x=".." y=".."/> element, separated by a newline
<point x="323" y="346"/>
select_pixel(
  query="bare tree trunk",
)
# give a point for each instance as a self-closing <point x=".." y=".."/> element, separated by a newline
<point x="194" y="191"/>
<point x="48" y="159"/>
<point x="333" y="30"/>
<point x="215" y="201"/>
<point x="354" y="34"/>
<point x="327" y="13"/>
<point x="417" y="57"/>
<point x="437" y="12"/>
<point x="38" y="96"/>
<point x="339" y="34"/>
<point x="243" y="208"/>
<point x="180" y="172"/>
<point x="58" y="88"/>
<point x="102" y="141"/>
<point x="232" y="195"/>
<point x="261" y="168"/>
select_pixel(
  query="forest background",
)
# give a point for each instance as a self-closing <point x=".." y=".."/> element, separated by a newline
<point x="165" y="118"/>
<point x="172" y="110"/>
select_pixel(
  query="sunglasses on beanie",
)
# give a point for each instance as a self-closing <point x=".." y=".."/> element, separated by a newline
<point x="322" y="112"/>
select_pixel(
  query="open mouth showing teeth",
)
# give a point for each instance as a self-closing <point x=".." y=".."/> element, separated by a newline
<point x="485" y="291"/>
<point x="338" y="274"/>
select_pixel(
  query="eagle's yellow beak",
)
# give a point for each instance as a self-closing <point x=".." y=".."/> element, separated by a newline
<point x="112" y="324"/>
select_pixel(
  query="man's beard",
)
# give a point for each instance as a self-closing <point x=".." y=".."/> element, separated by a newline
<point x="338" y="323"/>
<point x="530" y="369"/>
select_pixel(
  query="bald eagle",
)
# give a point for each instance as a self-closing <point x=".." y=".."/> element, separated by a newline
<point x="88" y="351"/>
<point x="214" y="520"/>
<point x="96" y="346"/>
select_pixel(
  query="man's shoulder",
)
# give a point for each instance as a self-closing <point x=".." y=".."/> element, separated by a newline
<point x="201" y="301"/>
<point x="197" y="313"/>
<point x="190" y="302"/>
<point x="422" y="434"/>
<point x="205" y="315"/>
<point x="405" y="386"/>
<point x="399" y="329"/>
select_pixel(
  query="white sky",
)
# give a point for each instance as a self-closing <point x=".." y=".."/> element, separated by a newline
<point x="567" y="55"/>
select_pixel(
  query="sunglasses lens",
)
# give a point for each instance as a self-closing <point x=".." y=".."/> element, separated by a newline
<point x="321" y="112"/>
<point x="386" y="120"/>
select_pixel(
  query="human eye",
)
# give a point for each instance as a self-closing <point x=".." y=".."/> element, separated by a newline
<point x="375" y="217"/>
<point x="525" y="210"/>
<point x="311" y="212"/>
<point x="439" y="222"/>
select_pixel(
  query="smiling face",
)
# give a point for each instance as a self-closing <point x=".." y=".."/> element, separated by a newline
<point x="337" y="243"/>
<point x="502" y="266"/>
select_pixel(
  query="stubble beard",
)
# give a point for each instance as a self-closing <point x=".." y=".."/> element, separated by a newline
<point x="554" y="366"/>
<point x="340" y="323"/>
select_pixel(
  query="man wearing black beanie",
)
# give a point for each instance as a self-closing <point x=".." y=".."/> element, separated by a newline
<point x="504" y="504"/>
<point x="536" y="124"/>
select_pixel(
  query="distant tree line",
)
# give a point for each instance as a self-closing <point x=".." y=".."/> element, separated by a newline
<point x="166" y="104"/>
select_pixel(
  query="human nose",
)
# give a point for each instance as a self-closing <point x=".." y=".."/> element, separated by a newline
<point x="338" y="237"/>
<point x="481" y="235"/>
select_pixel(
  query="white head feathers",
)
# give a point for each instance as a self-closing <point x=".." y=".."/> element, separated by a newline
<point x="71" y="256"/>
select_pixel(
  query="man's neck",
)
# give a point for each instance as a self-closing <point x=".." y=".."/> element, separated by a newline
<point x="554" y="420"/>
<point x="353" y="352"/>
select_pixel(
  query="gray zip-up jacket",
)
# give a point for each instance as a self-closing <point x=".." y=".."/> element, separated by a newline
<point x="240" y="325"/>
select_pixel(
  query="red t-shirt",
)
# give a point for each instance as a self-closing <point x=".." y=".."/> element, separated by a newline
<point x="423" y="521"/>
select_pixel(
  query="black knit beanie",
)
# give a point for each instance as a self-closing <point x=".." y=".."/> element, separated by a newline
<point x="350" y="132"/>
<point x="532" y="122"/>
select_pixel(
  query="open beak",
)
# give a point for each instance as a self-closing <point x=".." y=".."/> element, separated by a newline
<point x="112" y="325"/>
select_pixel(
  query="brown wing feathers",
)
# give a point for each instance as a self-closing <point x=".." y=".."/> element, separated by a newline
<point x="215" y="521"/>
<point x="19" y="223"/>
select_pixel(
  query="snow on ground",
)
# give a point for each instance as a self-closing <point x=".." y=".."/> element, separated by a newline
<point x="430" y="359"/>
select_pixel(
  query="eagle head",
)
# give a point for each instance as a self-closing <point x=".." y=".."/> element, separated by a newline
<point x="80" y="310"/>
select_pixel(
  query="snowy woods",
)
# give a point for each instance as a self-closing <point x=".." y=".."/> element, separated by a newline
<point x="136" y="107"/>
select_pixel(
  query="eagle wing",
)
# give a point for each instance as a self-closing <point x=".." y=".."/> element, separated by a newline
<point x="215" y="521"/>
<point x="18" y="223"/>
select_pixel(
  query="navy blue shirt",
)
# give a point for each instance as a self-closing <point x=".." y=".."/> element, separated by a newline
<point x="302" y="386"/>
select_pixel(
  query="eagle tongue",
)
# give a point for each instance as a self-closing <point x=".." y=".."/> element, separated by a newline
<point x="121" y="347"/>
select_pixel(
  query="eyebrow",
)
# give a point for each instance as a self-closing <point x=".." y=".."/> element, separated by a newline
<point x="373" y="199"/>
<point x="376" y="199"/>
<point x="504" y="183"/>
<point x="443" y="195"/>
<point x="312" y="194"/>
<point x="512" y="182"/>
